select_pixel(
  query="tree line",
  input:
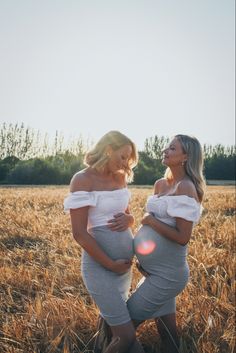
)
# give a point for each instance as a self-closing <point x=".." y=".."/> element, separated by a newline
<point x="28" y="157"/>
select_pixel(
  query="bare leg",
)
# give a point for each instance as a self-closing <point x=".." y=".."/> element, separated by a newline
<point x="103" y="337"/>
<point x="166" y="326"/>
<point x="124" y="340"/>
<point x="134" y="348"/>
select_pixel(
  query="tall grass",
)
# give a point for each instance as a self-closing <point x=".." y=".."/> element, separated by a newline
<point x="44" y="306"/>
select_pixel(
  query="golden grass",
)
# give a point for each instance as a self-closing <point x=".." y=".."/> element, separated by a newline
<point x="44" y="306"/>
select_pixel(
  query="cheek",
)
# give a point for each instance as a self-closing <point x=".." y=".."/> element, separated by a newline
<point x="174" y="155"/>
<point x="115" y="162"/>
<point x="119" y="160"/>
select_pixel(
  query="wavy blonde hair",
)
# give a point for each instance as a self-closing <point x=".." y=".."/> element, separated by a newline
<point x="194" y="164"/>
<point x="97" y="157"/>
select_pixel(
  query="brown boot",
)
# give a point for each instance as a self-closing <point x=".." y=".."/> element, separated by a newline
<point x="103" y="337"/>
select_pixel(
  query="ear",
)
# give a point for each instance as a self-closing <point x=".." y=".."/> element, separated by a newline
<point x="185" y="157"/>
<point x="108" y="150"/>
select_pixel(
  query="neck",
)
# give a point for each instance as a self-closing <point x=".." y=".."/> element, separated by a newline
<point x="105" y="173"/>
<point x="178" y="174"/>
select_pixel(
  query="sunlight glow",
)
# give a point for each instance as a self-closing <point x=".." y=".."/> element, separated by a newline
<point x="146" y="247"/>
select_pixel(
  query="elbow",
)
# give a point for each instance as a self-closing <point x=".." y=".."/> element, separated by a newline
<point x="78" y="238"/>
<point x="184" y="241"/>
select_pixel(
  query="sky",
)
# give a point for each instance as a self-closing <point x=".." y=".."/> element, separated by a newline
<point x="143" y="67"/>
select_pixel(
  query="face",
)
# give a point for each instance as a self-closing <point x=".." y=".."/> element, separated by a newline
<point x="119" y="159"/>
<point x="173" y="154"/>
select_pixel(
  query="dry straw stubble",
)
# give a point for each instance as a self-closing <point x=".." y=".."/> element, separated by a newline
<point x="44" y="306"/>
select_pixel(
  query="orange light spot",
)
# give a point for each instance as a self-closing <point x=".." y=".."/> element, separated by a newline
<point x="146" y="247"/>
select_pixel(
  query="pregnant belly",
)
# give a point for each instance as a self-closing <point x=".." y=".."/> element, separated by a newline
<point x="117" y="245"/>
<point x="155" y="252"/>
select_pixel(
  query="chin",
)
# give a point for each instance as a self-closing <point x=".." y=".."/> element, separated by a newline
<point x="164" y="162"/>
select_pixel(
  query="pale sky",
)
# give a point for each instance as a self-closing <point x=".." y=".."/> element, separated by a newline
<point x="144" y="67"/>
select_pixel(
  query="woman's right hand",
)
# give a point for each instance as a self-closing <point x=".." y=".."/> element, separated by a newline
<point x="121" y="266"/>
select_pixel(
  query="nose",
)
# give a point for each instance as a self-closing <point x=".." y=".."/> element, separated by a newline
<point x="164" y="150"/>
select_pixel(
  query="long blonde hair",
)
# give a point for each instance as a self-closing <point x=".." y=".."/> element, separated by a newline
<point x="97" y="157"/>
<point x="194" y="164"/>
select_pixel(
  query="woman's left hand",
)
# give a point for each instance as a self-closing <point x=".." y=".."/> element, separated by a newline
<point x="120" y="222"/>
<point x="147" y="219"/>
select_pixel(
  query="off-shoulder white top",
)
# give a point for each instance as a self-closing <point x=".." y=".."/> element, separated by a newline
<point x="103" y="204"/>
<point x="169" y="207"/>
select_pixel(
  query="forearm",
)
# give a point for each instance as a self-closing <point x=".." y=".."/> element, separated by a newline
<point x="169" y="232"/>
<point x="89" y="244"/>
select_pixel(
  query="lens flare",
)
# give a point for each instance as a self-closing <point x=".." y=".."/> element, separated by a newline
<point x="146" y="247"/>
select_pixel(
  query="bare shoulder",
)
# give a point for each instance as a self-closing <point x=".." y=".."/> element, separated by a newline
<point x="186" y="187"/>
<point x="81" y="181"/>
<point x="159" y="185"/>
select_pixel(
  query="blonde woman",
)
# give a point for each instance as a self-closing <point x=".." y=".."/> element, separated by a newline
<point x="161" y="242"/>
<point x="98" y="204"/>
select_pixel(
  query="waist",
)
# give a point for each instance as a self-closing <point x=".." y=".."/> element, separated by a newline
<point x="117" y="245"/>
<point x="104" y="230"/>
<point x="99" y="220"/>
<point x="97" y="225"/>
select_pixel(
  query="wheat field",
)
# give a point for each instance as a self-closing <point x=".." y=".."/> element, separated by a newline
<point x="44" y="306"/>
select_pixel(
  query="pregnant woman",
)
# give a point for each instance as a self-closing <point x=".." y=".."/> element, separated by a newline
<point x="161" y="242"/>
<point x="98" y="194"/>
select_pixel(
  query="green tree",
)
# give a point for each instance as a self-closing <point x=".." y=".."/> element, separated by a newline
<point x="6" y="166"/>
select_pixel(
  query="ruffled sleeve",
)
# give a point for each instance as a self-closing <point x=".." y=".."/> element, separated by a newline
<point x="79" y="199"/>
<point x="185" y="207"/>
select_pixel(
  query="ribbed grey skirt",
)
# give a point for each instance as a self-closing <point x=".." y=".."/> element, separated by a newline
<point x="108" y="289"/>
<point x="166" y="263"/>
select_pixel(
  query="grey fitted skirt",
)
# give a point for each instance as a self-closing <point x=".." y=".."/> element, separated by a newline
<point x="166" y="263"/>
<point x="108" y="289"/>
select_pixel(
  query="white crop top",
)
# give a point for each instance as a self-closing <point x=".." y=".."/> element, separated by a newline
<point x="103" y="204"/>
<point x="168" y="207"/>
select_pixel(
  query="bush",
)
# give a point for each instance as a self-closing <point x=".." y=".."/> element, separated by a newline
<point x="51" y="170"/>
<point x="6" y="166"/>
<point x="34" y="171"/>
<point x="148" y="170"/>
